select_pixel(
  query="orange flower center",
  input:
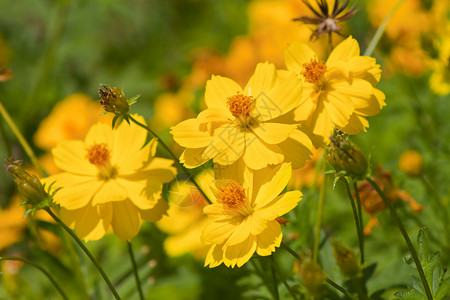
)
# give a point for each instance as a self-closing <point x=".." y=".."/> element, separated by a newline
<point x="98" y="154"/>
<point x="314" y="70"/>
<point x="240" y="105"/>
<point x="233" y="195"/>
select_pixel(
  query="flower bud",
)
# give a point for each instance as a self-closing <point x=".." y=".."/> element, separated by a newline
<point x="345" y="156"/>
<point x="29" y="186"/>
<point x="113" y="100"/>
<point x="312" y="275"/>
<point x="345" y="259"/>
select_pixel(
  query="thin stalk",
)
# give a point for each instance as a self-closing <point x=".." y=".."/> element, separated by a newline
<point x="40" y="268"/>
<point x="339" y="288"/>
<point x="406" y="237"/>
<point x="442" y="209"/>
<point x="377" y="36"/>
<point x="261" y="274"/>
<point x="318" y="224"/>
<point x="191" y="178"/>
<point x="355" y="216"/>
<point x="358" y="202"/>
<point x="327" y="280"/>
<point x="274" y="281"/>
<point x="135" y="270"/>
<point x="85" y="250"/>
<point x="274" y="265"/>
<point x="23" y="142"/>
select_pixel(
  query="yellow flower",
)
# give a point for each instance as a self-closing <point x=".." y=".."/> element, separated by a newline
<point x="110" y="181"/>
<point x="249" y="124"/>
<point x="12" y="224"/>
<point x="244" y="220"/>
<point x="411" y="162"/>
<point x="337" y="93"/>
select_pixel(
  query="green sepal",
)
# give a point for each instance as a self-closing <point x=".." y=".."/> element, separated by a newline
<point x="133" y="100"/>
<point x="114" y="120"/>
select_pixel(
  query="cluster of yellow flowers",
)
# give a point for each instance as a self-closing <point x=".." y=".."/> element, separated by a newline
<point x="255" y="135"/>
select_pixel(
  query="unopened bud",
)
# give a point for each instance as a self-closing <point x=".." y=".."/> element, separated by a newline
<point x="29" y="186"/>
<point x="345" y="156"/>
<point x="113" y="100"/>
<point x="312" y="276"/>
<point x="345" y="259"/>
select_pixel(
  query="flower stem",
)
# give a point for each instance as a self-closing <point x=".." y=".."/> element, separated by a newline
<point x="405" y="236"/>
<point x="377" y="36"/>
<point x="358" y="202"/>
<point x="327" y="280"/>
<point x="355" y="216"/>
<point x="23" y="142"/>
<point x="40" y="268"/>
<point x="85" y="250"/>
<point x="188" y="174"/>
<point x="318" y="224"/>
<point x="274" y="280"/>
<point x="275" y="267"/>
<point x="135" y="270"/>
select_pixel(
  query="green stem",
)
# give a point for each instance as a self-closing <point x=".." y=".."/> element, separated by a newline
<point x="40" y="268"/>
<point x="358" y="202"/>
<point x="135" y="271"/>
<point x="85" y="250"/>
<point x="327" y="280"/>
<point x="260" y="272"/>
<point x="318" y="224"/>
<point x="274" y="280"/>
<point x="405" y="236"/>
<point x="377" y="36"/>
<point x="274" y="265"/>
<point x="23" y="142"/>
<point x="188" y="174"/>
<point x="355" y="216"/>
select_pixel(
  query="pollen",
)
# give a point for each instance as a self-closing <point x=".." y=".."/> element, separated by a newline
<point x="240" y="105"/>
<point x="314" y="71"/>
<point x="98" y="154"/>
<point x="233" y="195"/>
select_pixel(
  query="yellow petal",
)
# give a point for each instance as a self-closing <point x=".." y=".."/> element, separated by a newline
<point x="111" y="191"/>
<point x="70" y="156"/>
<point x="214" y="117"/>
<point x="241" y="232"/>
<point x="156" y="213"/>
<point x="76" y="191"/>
<point x="282" y="98"/>
<point x="358" y="90"/>
<point x="278" y="206"/>
<point x="127" y="143"/>
<point x="214" y="256"/>
<point x="218" y="90"/>
<point x="190" y="134"/>
<point x="297" y="149"/>
<point x="238" y="255"/>
<point x="269" y="239"/>
<point x="217" y="232"/>
<point x="227" y="146"/>
<point x="126" y="221"/>
<point x="269" y="183"/>
<point x="192" y="158"/>
<point x="321" y="121"/>
<point x="308" y="103"/>
<point x="296" y="54"/>
<point x="262" y="80"/>
<point x="344" y="50"/>
<point x="273" y="133"/>
<point x="259" y="154"/>
<point x="356" y="124"/>
<point x="98" y="134"/>
<point x="137" y="191"/>
<point x="372" y="106"/>
<point x="339" y="107"/>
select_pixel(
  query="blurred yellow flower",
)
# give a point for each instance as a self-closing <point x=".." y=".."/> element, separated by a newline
<point x="70" y="119"/>
<point x="337" y="93"/>
<point x="12" y="224"/>
<point x="249" y="124"/>
<point x="440" y="78"/>
<point x="411" y="162"/>
<point x="185" y="220"/>
<point x="306" y="176"/>
<point x="110" y="181"/>
<point x="244" y="220"/>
